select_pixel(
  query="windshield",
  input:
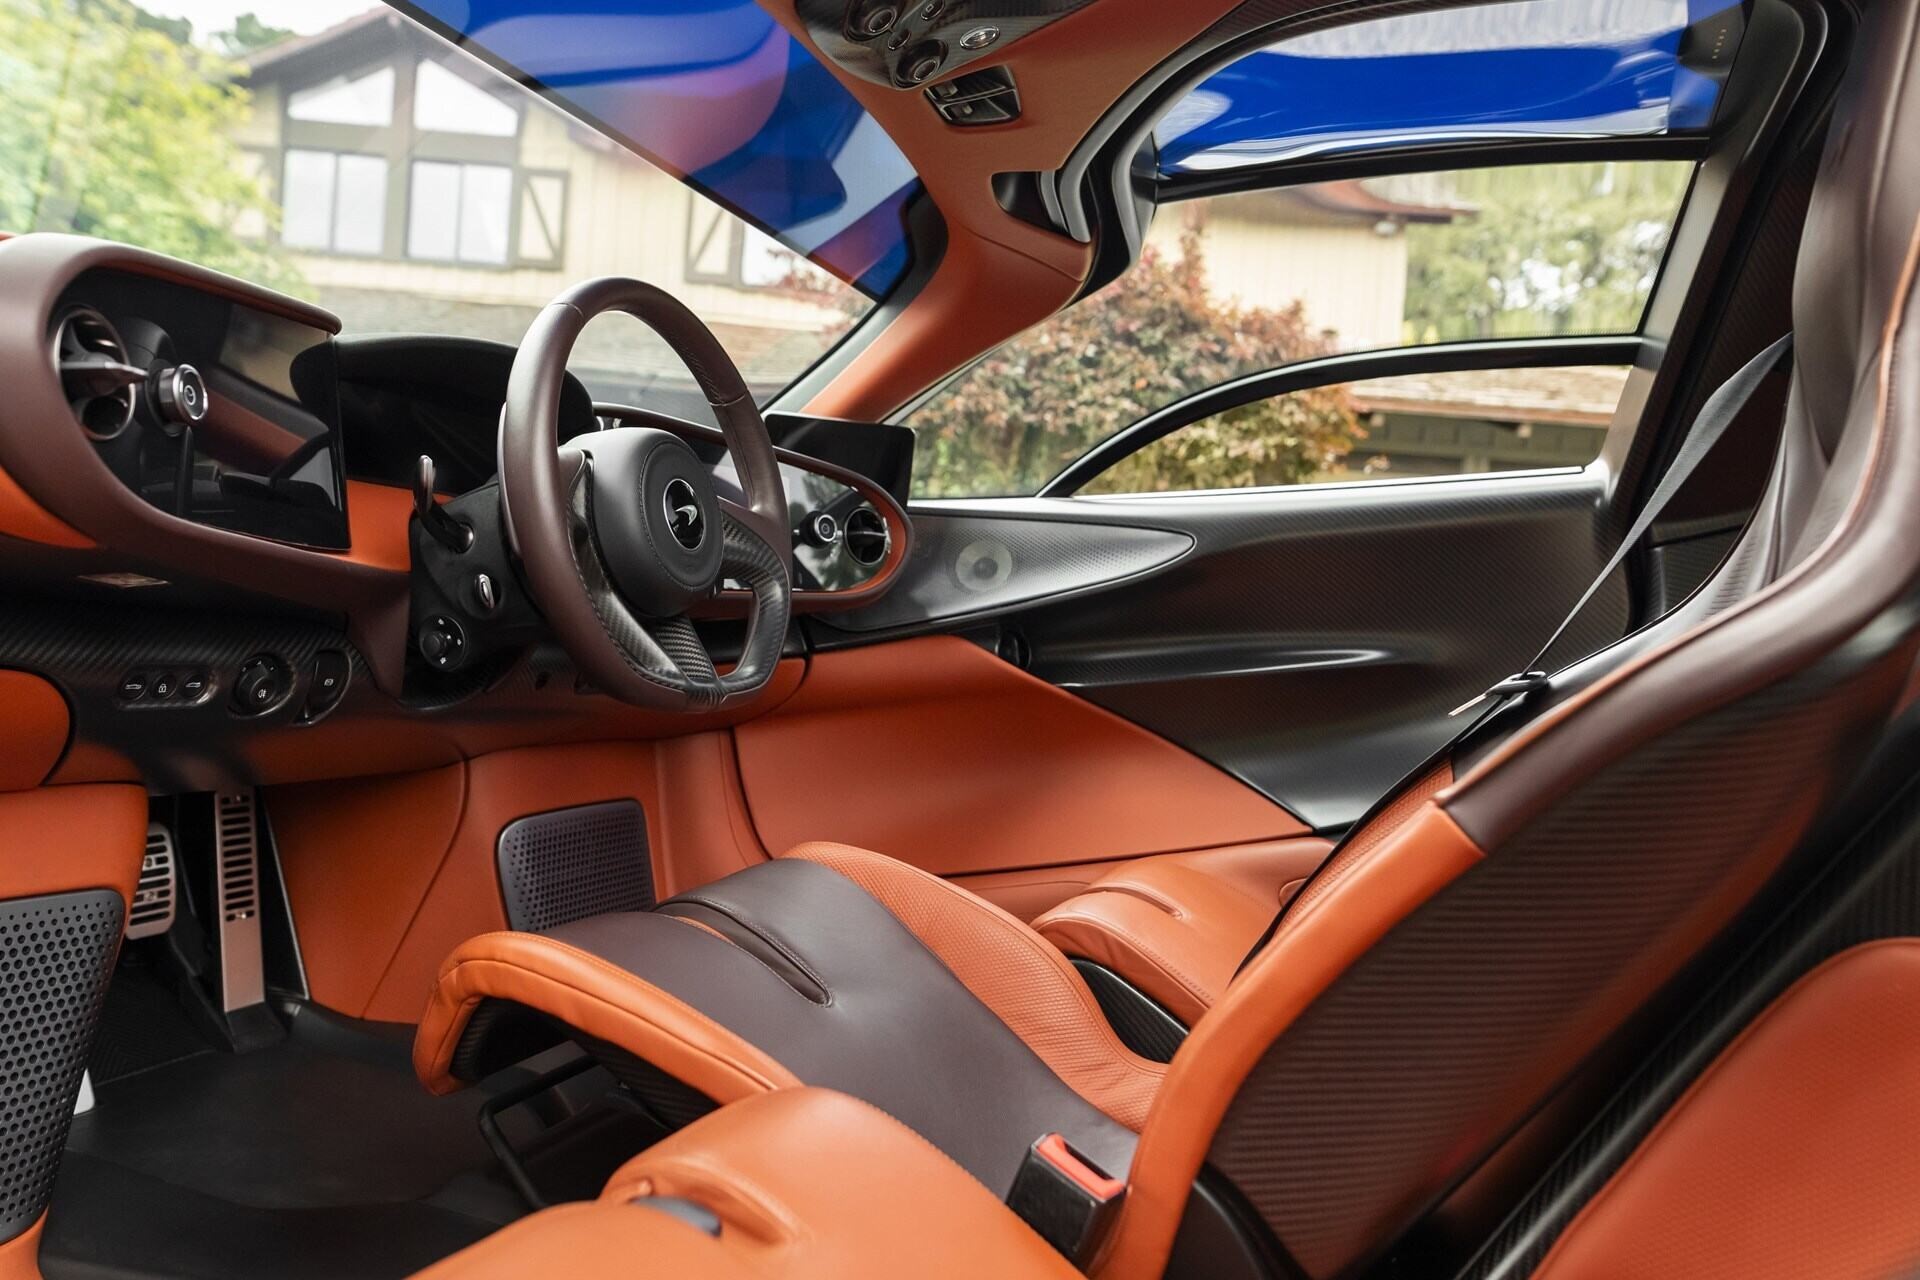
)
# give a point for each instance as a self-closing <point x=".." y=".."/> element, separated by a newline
<point x="349" y="155"/>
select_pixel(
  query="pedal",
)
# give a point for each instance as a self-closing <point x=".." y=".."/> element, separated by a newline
<point x="155" y="898"/>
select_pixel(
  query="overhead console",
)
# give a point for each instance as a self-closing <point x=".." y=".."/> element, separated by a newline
<point x="211" y="410"/>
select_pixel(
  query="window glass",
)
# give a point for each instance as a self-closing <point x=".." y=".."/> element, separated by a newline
<point x="1522" y="69"/>
<point x="1435" y="424"/>
<point x="1232" y="285"/>
<point x="363" y="100"/>
<point x="279" y="145"/>
<point x="451" y="104"/>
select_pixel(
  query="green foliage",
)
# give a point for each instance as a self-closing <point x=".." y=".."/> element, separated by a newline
<point x="1545" y="249"/>
<point x="1155" y="335"/>
<point x="115" y="127"/>
<point x="249" y="34"/>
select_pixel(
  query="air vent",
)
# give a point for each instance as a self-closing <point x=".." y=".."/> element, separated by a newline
<point x="100" y="385"/>
<point x="153" y="897"/>
<point x="867" y="536"/>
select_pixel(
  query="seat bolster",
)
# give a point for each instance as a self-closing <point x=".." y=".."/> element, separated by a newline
<point x="1173" y="929"/>
<point x="807" y="1184"/>
<point x="1796" y="1154"/>
<point x="591" y="995"/>
<point x="1016" y="973"/>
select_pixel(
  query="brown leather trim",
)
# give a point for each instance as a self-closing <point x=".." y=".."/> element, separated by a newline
<point x="807" y="1184"/>
<point x="54" y="839"/>
<point x="973" y="779"/>
<point x="380" y="519"/>
<point x="1172" y="926"/>
<point x="1305" y="957"/>
<point x="1014" y="972"/>
<point x="1795" y="1155"/>
<point x="37" y="725"/>
<point x="589" y="994"/>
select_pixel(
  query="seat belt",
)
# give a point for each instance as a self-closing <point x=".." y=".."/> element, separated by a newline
<point x="1711" y="423"/>
<point x="1715" y="416"/>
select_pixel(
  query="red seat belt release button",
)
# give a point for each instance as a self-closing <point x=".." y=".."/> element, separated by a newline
<point x="1063" y="1197"/>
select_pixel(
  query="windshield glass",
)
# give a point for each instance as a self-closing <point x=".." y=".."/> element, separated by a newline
<point x="350" y="156"/>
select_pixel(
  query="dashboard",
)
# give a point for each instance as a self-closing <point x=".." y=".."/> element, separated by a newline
<point x="208" y="533"/>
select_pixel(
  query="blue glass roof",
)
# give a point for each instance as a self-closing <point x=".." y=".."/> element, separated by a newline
<point x="718" y="94"/>
<point x="1523" y="69"/>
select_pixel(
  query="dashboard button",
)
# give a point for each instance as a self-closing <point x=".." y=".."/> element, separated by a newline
<point x="328" y="683"/>
<point x="164" y="685"/>
<point x="193" y="686"/>
<point x="261" y="685"/>
<point x="133" y="686"/>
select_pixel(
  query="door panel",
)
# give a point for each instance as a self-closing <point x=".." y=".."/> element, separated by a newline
<point x="935" y="751"/>
<point x="1314" y="640"/>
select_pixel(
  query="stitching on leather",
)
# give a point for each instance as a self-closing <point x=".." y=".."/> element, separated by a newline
<point x="760" y="931"/>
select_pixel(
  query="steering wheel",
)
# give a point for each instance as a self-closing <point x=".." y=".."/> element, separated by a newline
<point x="620" y="532"/>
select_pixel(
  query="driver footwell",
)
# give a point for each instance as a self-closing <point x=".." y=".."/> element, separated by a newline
<point x="318" y="1155"/>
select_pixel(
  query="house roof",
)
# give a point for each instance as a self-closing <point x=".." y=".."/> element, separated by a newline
<point x="272" y="57"/>
<point x="1584" y="396"/>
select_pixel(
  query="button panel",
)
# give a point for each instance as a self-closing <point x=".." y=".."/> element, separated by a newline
<point x="165" y="686"/>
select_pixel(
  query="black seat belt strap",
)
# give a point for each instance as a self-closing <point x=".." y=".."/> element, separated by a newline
<point x="1715" y="416"/>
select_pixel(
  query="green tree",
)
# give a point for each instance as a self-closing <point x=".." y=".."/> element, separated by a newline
<point x="249" y="34"/>
<point x="1542" y="249"/>
<point x="1149" y="338"/>
<point x="116" y="129"/>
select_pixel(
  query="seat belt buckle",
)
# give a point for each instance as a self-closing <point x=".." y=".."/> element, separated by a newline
<point x="1065" y="1198"/>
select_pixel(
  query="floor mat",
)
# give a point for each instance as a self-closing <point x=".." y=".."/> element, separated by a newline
<point x="319" y="1156"/>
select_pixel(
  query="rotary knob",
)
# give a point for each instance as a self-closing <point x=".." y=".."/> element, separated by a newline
<point x="181" y="393"/>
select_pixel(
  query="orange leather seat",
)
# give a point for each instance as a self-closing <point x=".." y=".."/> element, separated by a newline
<point x="1390" y="1050"/>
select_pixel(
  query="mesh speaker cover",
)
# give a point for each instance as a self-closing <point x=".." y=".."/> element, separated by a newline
<point x="569" y="864"/>
<point x="56" y="954"/>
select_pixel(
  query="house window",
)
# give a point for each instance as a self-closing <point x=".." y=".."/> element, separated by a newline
<point x="365" y="100"/>
<point x="460" y="212"/>
<point x="721" y="249"/>
<point x="334" y="202"/>
<point x="443" y="102"/>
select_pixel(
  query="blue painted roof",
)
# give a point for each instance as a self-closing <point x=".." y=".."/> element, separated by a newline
<point x="718" y="94"/>
<point x="1524" y="69"/>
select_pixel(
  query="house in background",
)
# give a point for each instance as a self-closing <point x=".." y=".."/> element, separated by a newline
<point x="421" y="191"/>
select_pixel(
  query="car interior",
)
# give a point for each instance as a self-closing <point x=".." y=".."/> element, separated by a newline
<point x="1247" y="639"/>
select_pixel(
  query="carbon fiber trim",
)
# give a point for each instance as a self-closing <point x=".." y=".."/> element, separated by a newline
<point x="1142" y="1025"/>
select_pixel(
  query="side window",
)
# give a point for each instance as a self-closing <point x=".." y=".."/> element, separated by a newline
<point x="1236" y="284"/>
<point x="1417" y="424"/>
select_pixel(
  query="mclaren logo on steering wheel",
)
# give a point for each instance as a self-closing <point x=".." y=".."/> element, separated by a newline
<point x="684" y="518"/>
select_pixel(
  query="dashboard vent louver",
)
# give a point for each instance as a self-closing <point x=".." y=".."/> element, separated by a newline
<point x="867" y="537"/>
<point x="100" y="385"/>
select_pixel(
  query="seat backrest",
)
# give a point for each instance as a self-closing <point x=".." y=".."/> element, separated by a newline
<point x="1413" y="1015"/>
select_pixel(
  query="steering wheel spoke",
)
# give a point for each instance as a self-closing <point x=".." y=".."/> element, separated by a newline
<point x="621" y="532"/>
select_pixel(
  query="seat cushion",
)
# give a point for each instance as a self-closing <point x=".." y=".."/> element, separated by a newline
<point x="1796" y="1154"/>
<point x="802" y="1184"/>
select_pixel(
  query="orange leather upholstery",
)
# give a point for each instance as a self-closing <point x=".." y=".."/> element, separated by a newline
<point x="1178" y="926"/>
<point x="1796" y="1155"/>
<point x="1014" y="972"/>
<point x="54" y="839"/>
<point x="1420" y="857"/>
<point x="600" y="999"/>
<point x="37" y="724"/>
<point x="987" y="768"/>
<point x="808" y="1185"/>
<point x="20" y="1256"/>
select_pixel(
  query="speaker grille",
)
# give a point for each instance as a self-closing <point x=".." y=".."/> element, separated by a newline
<point x="569" y="864"/>
<point x="56" y="954"/>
